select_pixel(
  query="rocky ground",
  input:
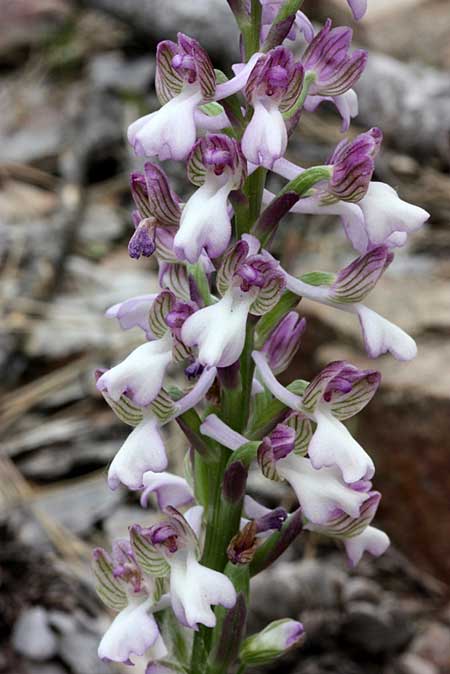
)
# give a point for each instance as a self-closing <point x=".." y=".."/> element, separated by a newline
<point x="72" y="76"/>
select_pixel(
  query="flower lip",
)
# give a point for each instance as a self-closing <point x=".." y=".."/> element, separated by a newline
<point x="143" y="240"/>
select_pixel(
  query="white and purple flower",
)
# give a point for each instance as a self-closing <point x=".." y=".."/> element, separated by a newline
<point x="216" y="165"/>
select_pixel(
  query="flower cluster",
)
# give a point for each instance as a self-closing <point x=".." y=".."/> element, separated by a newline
<point x="224" y="325"/>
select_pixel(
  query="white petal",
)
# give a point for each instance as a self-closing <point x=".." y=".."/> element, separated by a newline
<point x="320" y="492"/>
<point x="333" y="445"/>
<point x="194" y="588"/>
<point x="170" y="489"/>
<point x="204" y="223"/>
<point x="140" y="375"/>
<point x="265" y="138"/>
<point x="385" y="213"/>
<point x="132" y="632"/>
<point x="169" y="132"/>
<point x="381" y="336"/>
<point x="142" y="451"/>
<point x="371" y="540"/>
<point x="218" y="331"/>
<point x="133" y="313"/>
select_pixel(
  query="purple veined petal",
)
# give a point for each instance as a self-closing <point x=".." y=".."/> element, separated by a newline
<point x="265" y="138"/>
<point x="336" y="69"/>
<point x="371" y="540"/>
<point x="321" y="493"/>
<point x="333" y="445"/>
<point x="359" y="278"/>
<point x="239" y="81"/>
<point x="219" y="348"/>
<point x="195" y="588"/>
<point x="194" y="517"/>
<point x="218" y="430"/>
<point x="270" y="381"/>
<point x="142" y="451"/>
<point x="205" y="223"/>
<point x="132" y="632"/>
<point x="211" y="123"/>
<point x="161" y="134"/>
<point x="382" y="336"/>
<point x="133" y="313"/>
<point x="385" y="213"/>
<point x="198" y="392"/>
<point x="358" y="7"/>
<point x="163" y="203"/>
<point x="140" y="375"/>
<point x="169" y="489"/>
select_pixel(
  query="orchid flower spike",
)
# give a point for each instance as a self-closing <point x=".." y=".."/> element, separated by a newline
<point x="273" y="88"/>
<point x="249" y="282"/>
<point x="124" y="587"/>
<point x="185" y="79"/>
<point x="339" y="392"/>
<point x="216" y="166"/>
<point x="194" y="588"/>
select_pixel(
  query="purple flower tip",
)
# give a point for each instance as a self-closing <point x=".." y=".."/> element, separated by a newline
<point x="143" y="240"/>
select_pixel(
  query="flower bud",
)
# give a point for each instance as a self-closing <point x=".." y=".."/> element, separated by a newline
<point x="272" y="642"/>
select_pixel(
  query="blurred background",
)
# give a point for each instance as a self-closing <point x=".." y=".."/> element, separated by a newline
<point x="73" y="75"/>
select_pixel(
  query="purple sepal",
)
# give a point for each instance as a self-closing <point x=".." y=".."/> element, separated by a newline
<point x="284" y="342"/>
<point x="143" y="240"/>
<point x="218" y="155"/>
<point x="359" y="278"/>
<point x="327" y="56"/>
<point x="353" y="165"/>
<point x="181" y="65"/>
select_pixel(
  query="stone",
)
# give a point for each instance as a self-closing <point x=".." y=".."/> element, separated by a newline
<point x="375" y="630"/>
<point x="32" y="636"/>
<point x="433" y="645"/>
<point x="413" y="664"/>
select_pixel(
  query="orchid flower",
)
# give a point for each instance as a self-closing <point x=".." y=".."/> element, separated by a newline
<point x="184" y="79"/>
<point x="339" y="392"/>
<point x="380" y="217"/>
<point x="249" y="282"/>
<point x="216" y="165"/>
<point x="356" y="533"/>
<point x="123" y="587"/>
<point x="345" y="292"/>
<point x="273" y="88"/>
<point x="193" y="587"/>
